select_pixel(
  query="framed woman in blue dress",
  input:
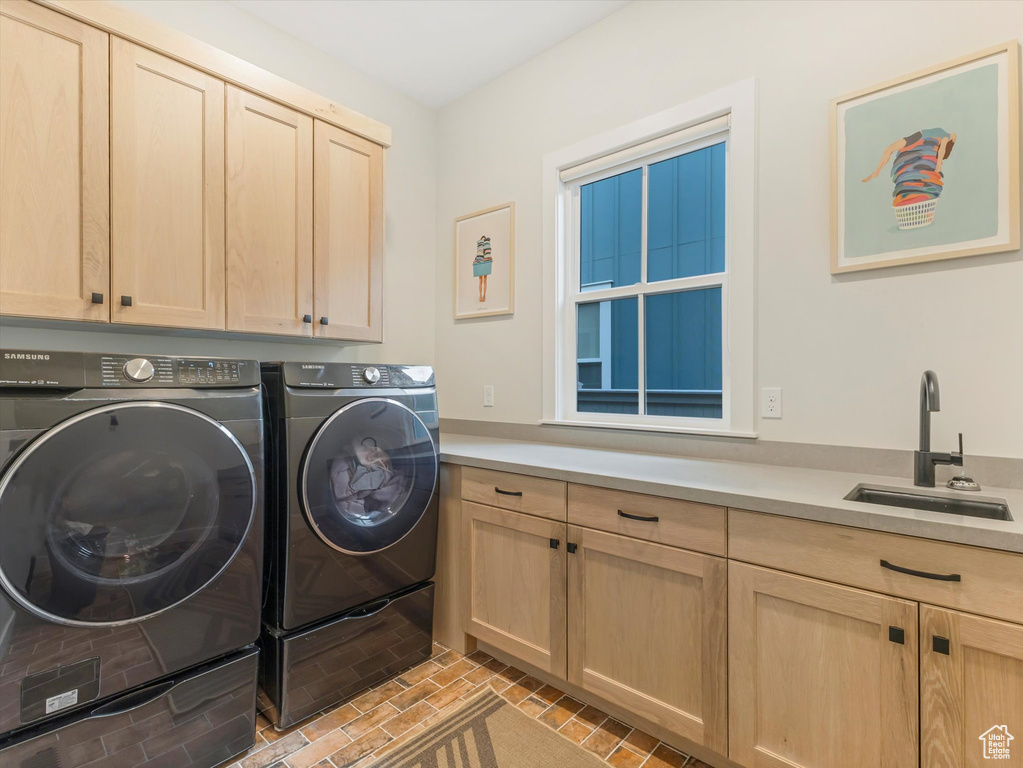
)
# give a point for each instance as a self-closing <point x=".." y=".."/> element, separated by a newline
<point x="926" y="166"/>
<point x="485" y="262"/>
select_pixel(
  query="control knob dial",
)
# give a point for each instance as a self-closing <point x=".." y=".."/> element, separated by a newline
<point x="138" y="369"/>
<point x="371" y="375"/>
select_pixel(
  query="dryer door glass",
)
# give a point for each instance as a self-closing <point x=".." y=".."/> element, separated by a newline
<point x="123" y="512"/>
<point x="369" y="475"/>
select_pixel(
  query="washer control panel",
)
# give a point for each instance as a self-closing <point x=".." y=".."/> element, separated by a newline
<point x="208" y="371"/>
<point x="75" y="370"/>
<point x="120" y="371"/>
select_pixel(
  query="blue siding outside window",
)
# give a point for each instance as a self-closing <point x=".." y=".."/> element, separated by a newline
<point x="686" y="215"/>
<point x="686" y="237"/>
<point x="683" y="353"/>
<point x="611" y="237"/>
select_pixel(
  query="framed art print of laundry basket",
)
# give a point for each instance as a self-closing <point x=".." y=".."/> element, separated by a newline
<point x="485" y="263"/>
<point x="927" y="166"/>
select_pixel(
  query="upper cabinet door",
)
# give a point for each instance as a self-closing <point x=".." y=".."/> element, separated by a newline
<point x="819" y="676"/>
<point x="349" y="235"/>
<point x="971" y="689"/>
<point x="54" y="182"/>
<point x="647" y="628"/>
<point x="269" y="216"/>
<point x="167" y="191"/>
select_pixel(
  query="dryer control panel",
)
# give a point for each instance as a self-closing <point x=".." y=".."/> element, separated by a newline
<point x="356" y="376"/>
<point x="75" y="370"/>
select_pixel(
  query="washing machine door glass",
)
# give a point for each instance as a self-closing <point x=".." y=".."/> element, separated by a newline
<point x="122" y="512"/>
<point x="368" y="476"/>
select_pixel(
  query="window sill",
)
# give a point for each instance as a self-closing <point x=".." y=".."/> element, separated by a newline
<point x="707" y="432"/>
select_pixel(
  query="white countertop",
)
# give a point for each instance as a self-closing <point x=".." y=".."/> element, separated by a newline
<point x="810" y="494"/>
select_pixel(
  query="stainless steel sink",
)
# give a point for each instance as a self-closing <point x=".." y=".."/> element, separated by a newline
<point x="975" y="506"/>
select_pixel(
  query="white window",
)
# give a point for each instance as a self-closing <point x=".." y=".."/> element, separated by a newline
<point x="649" y="245"/>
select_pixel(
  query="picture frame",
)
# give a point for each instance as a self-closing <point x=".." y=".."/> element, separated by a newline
<point x="485" y="263"/>
<point x="898" y="194"/>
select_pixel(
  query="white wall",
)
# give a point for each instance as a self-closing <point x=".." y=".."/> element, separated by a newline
<point x="848" y="352"/>
<point x="410" y="188"/>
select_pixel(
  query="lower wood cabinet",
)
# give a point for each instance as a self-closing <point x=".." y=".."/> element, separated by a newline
<point x="820" y="675"/>
<point x="514" y="586"/>
<point x="769" y="668"/>
<point x="971" y="690"/>
<point x="647" y="628"/>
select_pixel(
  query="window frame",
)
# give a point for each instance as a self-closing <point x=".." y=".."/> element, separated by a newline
<point x="623" y="150"/>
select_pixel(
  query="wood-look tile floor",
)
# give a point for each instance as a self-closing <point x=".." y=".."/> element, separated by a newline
<point x="379" y="719"/>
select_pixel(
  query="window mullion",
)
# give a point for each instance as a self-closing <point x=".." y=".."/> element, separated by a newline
<point x="641" y="303"/>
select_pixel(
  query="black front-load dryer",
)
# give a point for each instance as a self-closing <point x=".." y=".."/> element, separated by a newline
<point x="352" y="510"/>
<point x="131" y="536"/>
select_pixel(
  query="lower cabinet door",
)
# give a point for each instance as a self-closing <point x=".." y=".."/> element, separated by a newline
<point x="971" y="688"/>
<point x="514" y="584"/>
<point x="647" y="629"/>
<point x="820" y="676"/>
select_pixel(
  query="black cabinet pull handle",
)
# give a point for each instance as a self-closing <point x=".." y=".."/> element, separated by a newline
<point x="507" y="493"/>
<point x="324" y="321"/>
<point x="555" y="543"/>
<point x="941" y="644"/>
<point x="126" y="301"/>
<point x="571" y="547"/>
<point x="307" y="318"/>
<point x="922" y="574"/>
<point x="97" y="298"/>
<point x="897" y="635"/>
<point x="641" y="518"/>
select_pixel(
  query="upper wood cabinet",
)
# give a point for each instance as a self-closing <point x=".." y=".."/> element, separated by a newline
<point x="971" y="684"/>
<point x="514" y="584"/>
<point x="54" y="227"/>
<point x="820" y="676"/>
<point x="647" y="628"/>
<point x="158" y="189"/>
<point x="348" y="235"/>
<point x="167" y="191"/>
<point x="269" y="216"/>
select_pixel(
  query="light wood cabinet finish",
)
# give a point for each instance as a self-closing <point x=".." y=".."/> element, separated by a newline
<point x="977" y="685"/>
<point x="648" y="629"/>
<point x="136" y="28"/>
<point x="814" y="680"/>
<point x="348" y="235"/>
<point x="991" y="582"/>
<point x="54" y="158"/>
<point x="269" y="216"/>
<point x="519" y="493"/>
<point x="514" y="584"/>
<point x="167" y="191"/>
<point x="700" y="527"/>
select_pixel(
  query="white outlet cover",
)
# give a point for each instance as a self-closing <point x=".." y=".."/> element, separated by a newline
<point x="770" y="403"/>
<point x="488" y="396"/>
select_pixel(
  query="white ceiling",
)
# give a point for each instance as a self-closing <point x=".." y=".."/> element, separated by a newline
<point x="432" y="50"/>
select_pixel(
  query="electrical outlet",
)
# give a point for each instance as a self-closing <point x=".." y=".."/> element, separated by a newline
<point x="488" y="396"/>
<point x="770" y="403"/>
